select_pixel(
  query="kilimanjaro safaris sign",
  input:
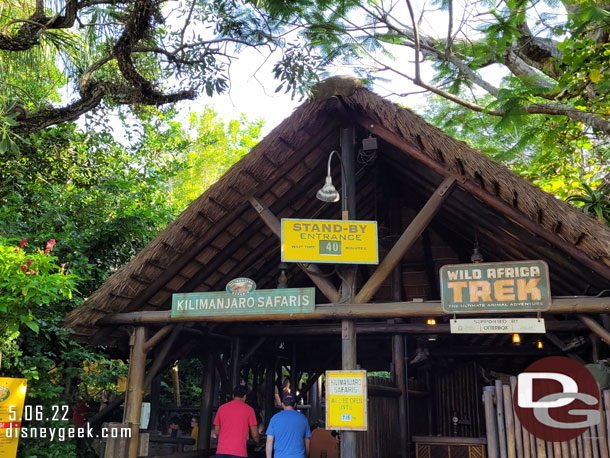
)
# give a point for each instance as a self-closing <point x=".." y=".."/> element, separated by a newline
<point x="495" y="287"/>
<point x="255" y="302"/>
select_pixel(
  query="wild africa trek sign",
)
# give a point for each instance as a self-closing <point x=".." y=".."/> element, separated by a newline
<point x="495" y="287"/>
<point x="257" y="302"/>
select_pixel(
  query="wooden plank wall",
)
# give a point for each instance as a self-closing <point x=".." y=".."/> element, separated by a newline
<point x="459" y="390"/>
<point x="506" y="438"/>
<point x="381" y="439"/>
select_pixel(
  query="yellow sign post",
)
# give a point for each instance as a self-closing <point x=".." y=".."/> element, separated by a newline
<point x="330" y="241"/>
<point x="346" y="399"/>
<point x="12" y="398"/>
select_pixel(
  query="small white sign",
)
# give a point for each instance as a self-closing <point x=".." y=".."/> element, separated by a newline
<point x="497" y="326"/>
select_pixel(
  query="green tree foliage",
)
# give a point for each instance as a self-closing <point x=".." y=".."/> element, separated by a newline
<point x="541" y="149"/>
<point x="215" y="147"/>
<point x="552" y="101"/>
<point x="29" y="282"/>
<point x="137" y="53"/>
<point x="101" y="202"/>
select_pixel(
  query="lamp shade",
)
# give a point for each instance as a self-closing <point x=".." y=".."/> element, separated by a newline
<point x="328" y="192"/>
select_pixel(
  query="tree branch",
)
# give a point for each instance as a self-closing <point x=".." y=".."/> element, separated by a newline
<point x="590" y="119"/>
<point x="28" y="35"/>
<point x="540" y="53"/>
<point x="518" y="67"/>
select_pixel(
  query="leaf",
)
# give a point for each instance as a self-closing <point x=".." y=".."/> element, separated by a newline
<point x="595" y="75"/>
<point x="33" y="326"/>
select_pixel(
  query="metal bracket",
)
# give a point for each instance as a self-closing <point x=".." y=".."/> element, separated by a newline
<point x="256" y="204"/>
<point x="344" y="330"/>
<point x="447" y="186"/>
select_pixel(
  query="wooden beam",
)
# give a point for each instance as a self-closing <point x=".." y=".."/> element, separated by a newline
<point x="251" y="351"/>
<point x="154" y="340"/>
<point x="574" y="304"/>
<point x="135" y="389"/>
<point x="235" y="367"/>
<point x="406" y="240"/>
<point x="595" y="327"/>
<point x="225" y="383"/>
<point x="102" y="414"/>
<point x="377" y="328"/>
<point x="312" y="271"/>
<point x="207" y="399"/>
<point x="491" y="200"/>
<point x="311" y="379"/>
<point x="161" y="356"/>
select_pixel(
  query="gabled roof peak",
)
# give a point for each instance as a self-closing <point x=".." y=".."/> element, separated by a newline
<point x="336" y="85"/>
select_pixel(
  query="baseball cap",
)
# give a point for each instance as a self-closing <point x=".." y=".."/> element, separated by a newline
<point x="288" y="399"/>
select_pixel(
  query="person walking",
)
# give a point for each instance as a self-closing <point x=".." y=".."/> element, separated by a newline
<point x="288" y="432"/>
<point x="232" y="423"/>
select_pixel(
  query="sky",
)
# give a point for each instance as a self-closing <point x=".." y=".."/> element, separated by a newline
<point x="252" y="84"/>
<point x="252" y="91"/>
<point x="253" y="94"/>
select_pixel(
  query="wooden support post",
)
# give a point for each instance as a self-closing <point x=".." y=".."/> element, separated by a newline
<point x="294" y="374"/>
<point x="500" y="418"/>
<point x="207" y="400"/>
<point x="522" y="448"/>
<point x="491" y="427"/>
<point x="155" y="393"/>
<point x="509" y="421"/>
<point x="398" y="358"/>
<point x="225" y="382"/>
<point x="176" y="384"/>
<point x="314" y="401"/>
<point x="406" y="240"/>
<point x="135" y="389"/>
<point x="312" y="271"/>
<point x="235" y="350"/>
<point x="349" y="443"/>
<point x="269" y="391"/>
<point x="398" y="342"/>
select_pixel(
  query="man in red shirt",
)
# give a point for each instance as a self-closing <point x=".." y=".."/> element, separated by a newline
<point x="231" y="425"/>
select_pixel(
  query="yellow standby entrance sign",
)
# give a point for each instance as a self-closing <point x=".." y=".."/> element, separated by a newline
<point x="12" y="397"/>
<point x="330" y="241"/>
<point x="346" y="398"/>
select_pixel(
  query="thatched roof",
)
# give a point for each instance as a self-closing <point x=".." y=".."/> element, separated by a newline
<point x="219" y="236"/>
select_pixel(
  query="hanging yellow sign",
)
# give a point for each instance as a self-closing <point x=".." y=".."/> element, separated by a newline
<point x="329" y="241"/>
<point x="346" y="399"/>
<point x="12" y="398"/>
